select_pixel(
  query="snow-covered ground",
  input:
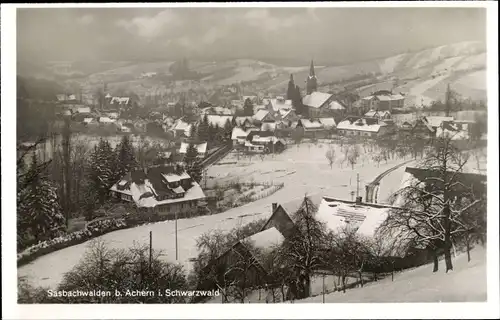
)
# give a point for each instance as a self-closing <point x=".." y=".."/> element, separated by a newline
<point x="466" y="283"/>
<point x="303" y="170"/>
<point x="392" y="183"/>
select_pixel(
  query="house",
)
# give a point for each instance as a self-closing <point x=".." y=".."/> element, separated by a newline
<point x="239" y="136"/>
<point x="120" y="101"/>
<point x="162" y="190"/>
<point x="422" y="129"/>
<point x="262" y="116"/>
<point x="268" y="126"/>
<point x="311" y="128"/>
<point x="219" y="121"/>
<point x="125" y="128"/>
<point x="200" y="147"/>
<point x="436" y="121"/>
<point x="317" y="104"/>
<point x="381" y="115"/>
<point x="279" y="103"/>
<point x="328" y="123"/>
<point x="288" y="116"/>
<point x="244" y="122"/>
<point x="364" y="127"/>
<point x="216" y="111"/>
<point x="181" y="128"/>
<point x="246" y="251"/>
<point x="454" y="130"/>
<point x="89" y="121"/>
<point x="106" y="120"/>
<point x="140" y="125"/>
<point x="112" y="115"/>
<point x="383" y="100"/>
<point x="85" y="110"/>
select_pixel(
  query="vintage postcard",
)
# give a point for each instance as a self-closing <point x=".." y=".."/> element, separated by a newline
<point x="250" y="160"/>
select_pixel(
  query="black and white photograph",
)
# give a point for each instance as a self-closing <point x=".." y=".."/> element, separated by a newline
<point x="290" y="154"/>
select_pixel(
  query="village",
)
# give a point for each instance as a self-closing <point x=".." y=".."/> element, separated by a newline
<point x="267" y="154"/>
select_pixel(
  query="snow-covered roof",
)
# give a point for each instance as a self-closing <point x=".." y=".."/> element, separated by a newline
<point x="120" y="100"/>
<point x="107" y="95"/>
<point x="359" y="125"/>
<point x="201" y="147"/>
<point x="335" y="105"/>
<point x="266" y="239"/>
<point x="216" y="111"/>
<point x="146" y="188"/>
<point x="182" y="126"/>
<point x="112" y="114"/>
<point x="268" y="126"/>
<point x="453" y="130"/>
<point x="83" y="110"/>
<point x="280" y="103"/>
<point x="436" y="121"/>
<point x="88" y="120"/>
<point x="365" y="218"/>
<point x="316" y="99"/>
<point x="238" y="133"/>
<point x="249" y="144"/>
<point x="241" y="120"/>
<point x="286" y="112"/>
<point x="328" y="123"/>
<point x="311" y="124"/>
<point x="257" y="139"/>
<point x="219" y="120"/>
<point x="261" y="114"/>
<point x="106" y="120"/>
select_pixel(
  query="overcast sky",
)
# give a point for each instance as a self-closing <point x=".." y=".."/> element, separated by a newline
<point x="328" y="34"/>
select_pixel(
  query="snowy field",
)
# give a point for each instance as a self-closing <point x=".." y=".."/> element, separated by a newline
<point x="303" y="170"/>
<point x="467" y="282"/>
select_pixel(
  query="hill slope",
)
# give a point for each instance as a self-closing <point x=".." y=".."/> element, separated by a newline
<point x="467" y="282"/>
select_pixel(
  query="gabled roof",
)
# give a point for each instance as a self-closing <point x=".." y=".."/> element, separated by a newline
<point x="311" y="124"/>
<point x="359" y="124"/>
<point x="316" y="99"/>
<point x="261" y="114"/>
<point x="200" y="147"/>
<point x="268" y="126"/>
<point x="266" y="239"/>
<point x="328" y="123"/>
<point x="238" y="133"/>
<point x="335" y="105"/>
<point x="120" y="100"/>
<point x="145" y="188"/>
<point x="219" y="120"/>
<point x="436" y="121"/>
<point x="241" y="120"/>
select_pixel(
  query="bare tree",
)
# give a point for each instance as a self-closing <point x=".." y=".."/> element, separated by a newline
<point x="330" y="156"/>
<point x="434" y="205"/>
<point x="353" y="155"/>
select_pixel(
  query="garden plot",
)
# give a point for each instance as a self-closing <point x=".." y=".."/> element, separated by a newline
<point x="303" y="170"/>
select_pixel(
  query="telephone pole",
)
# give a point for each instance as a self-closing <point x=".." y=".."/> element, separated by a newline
<point x="176" y="250"/>
<point x="150" y="249"/>
<point x="357" y="185"/>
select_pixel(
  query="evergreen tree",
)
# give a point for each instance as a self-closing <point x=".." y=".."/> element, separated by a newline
<point x="297" y="102"/>
<point x="195" y="170"/>
<point x="248" y="107"/>
<point x="228" y="130"/>
<point x="191" y="155"/>
<point x="203" y="129"/>
<point x="212" y="132"/>
<point x="126" y="160"/>
<point x="291" y="91"/>
<point x="40" y="215"/>
<point x="103" y="173"/>
<point x="193" y="133"/>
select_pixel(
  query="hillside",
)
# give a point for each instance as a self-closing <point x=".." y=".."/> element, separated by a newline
<point x="422" y="75"/>
<point x="467" y="282"/>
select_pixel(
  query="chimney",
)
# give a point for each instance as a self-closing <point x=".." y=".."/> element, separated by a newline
<point x="275" y="206"/>
<point x="358" y="200"/>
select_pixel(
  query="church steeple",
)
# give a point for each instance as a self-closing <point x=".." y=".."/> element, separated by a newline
<point x="312" y="81"/>
<point x="311" y="70"/>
